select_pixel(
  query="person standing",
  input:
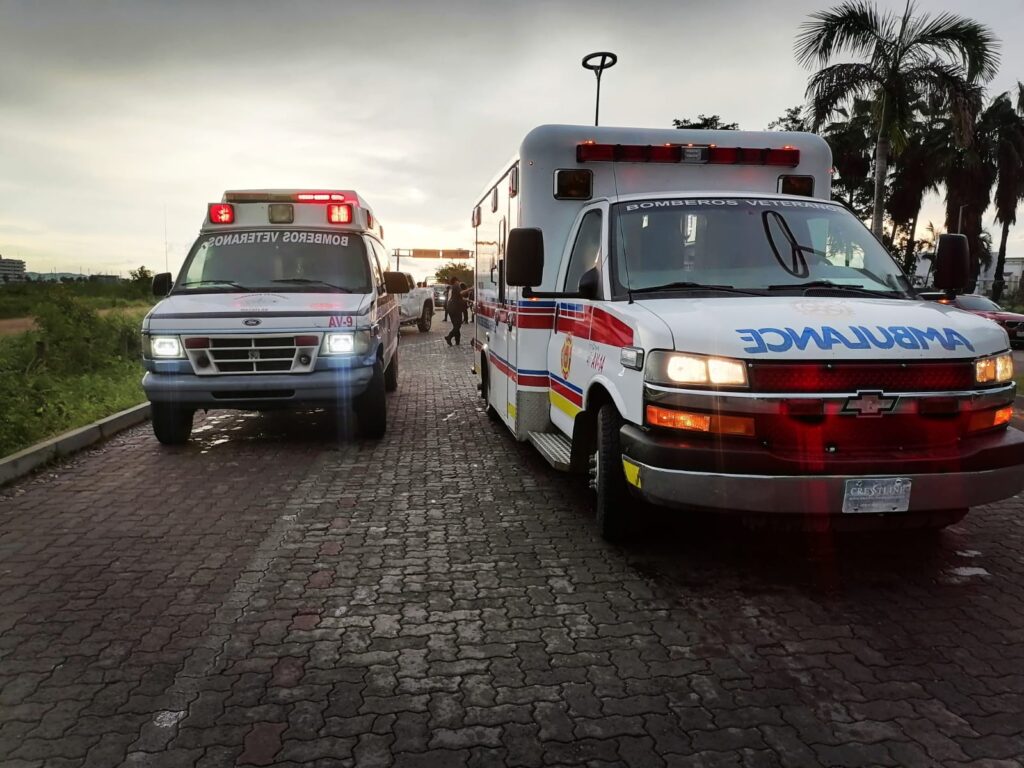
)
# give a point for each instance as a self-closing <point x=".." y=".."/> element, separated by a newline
<point x="456" y="307"/>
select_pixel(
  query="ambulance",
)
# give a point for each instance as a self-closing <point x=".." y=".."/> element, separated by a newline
<point x="687" y="317"/>
<point x="282" y="302"/>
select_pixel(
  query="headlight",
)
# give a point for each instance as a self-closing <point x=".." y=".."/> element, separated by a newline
<point x="994" y="370"/>
<point x="348" y="343"/>
<point x="165" y="346"/>
<point x="700" y="370"/>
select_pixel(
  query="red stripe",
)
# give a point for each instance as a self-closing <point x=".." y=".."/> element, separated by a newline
<point x="608" y="329"/>
<point x="573" y="397"/>
<point x="533" y="381"/>
<point x="532" y="321"/>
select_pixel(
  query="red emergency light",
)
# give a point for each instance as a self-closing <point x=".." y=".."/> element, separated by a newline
<point x="696" y="154"/>
<point x="339" y="214"/>
<point x="319" y="197"/>
<point x="222" y="213"/>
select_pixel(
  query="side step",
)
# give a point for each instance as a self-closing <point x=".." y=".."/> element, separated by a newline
<point x="555" y="447"/>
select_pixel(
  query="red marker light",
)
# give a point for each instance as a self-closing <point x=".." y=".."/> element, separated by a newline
<point x="222" y="213"/>
<point x="306" y="341"/>
<point x="319" y="197"/>
<point x="339" y="214"/>
<point x="197" y="342"/>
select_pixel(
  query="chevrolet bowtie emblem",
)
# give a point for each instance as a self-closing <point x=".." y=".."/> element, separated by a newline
<point x="869" y="404"/>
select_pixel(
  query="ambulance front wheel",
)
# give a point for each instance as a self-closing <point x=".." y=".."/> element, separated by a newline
<point x="172" y="424"/>
<point x="607" y="477"/>
<point x="372" y="406"/>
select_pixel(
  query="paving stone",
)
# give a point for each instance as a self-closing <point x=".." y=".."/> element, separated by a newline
<point x="440" y="597"/>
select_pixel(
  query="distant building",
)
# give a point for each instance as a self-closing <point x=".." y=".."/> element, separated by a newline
<point x="12" y="270"/>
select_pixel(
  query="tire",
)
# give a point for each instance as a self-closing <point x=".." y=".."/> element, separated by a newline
<point x="172" y="424"/>
<point x="608" y="479"/>
<point x="426" y="319"/>
<point x="485" y="391"/>
<point x="372" y="407"/>
<point x="391" y="374"/>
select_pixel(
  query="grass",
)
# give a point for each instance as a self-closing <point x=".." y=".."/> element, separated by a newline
<point x="24" y="299"/>
<point x="77" y="368"/>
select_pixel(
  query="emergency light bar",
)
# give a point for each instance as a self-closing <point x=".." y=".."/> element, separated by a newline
<point x="290" y="197"/>
<point x="694" y="154"/>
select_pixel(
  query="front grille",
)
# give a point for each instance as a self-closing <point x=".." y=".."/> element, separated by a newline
<point x="253" y="355"/>
<point x="850" y="377"/>
<point x="1011" y="324"/>
<point x="253" y="394"/>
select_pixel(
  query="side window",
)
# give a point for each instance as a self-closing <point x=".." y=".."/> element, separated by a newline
<point x="376" y="251"/>
<point x="586" y="251"/>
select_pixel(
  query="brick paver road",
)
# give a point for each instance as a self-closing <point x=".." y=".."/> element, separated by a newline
<point x="272" y="594"/>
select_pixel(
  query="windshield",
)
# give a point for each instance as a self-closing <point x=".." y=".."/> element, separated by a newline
<point x="783" y="246"/>
<point x="978" y="303"/>
<point x="276" y="260"/>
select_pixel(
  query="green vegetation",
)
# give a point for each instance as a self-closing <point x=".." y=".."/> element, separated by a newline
<point x="23" y="299"/>
<point x="445" y="273"/>
<point x="78" y="367"/>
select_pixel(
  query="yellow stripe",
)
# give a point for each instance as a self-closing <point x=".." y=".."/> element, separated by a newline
<point x="511" y="407"/>
<point x="632" y="472"/>
<point x="565" y="406"/>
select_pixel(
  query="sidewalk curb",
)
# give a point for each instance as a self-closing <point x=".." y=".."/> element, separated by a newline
<point x="23" y="462"/>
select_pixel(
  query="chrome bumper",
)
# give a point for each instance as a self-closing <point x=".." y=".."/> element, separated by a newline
<point x="810" y="493"/>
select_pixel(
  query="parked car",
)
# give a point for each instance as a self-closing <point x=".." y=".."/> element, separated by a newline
<point x="440" y="294"/>
<point x="417" y="306"/>
<point x="1012" y="322"/>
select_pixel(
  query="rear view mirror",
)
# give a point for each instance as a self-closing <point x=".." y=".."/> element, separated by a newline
<point x="396" y="282"/>
<point x="952" y="263"/>
<point x="524" y="257"/>
<point x="162" y="284"/>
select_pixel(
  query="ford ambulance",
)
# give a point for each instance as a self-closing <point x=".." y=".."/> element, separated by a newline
<point x="282" y="302"/>
<point x="688" y="317"/>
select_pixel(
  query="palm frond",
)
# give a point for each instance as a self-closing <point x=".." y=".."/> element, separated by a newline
<point x="854" y="26"/>
<point x="830" y="88"/>
<point x="963" y="41"/>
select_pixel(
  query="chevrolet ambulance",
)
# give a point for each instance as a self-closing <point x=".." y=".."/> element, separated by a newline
<point x="688" y="317"/>
<point x="282" y="302"/>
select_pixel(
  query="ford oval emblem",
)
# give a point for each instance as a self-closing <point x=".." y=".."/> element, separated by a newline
<point x="252" y="321"/>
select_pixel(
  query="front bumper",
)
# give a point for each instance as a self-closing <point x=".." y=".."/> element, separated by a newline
<point x="319" y="388"/>
<point x="684" y="473"/>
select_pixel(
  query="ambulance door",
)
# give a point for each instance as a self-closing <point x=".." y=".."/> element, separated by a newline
<point x="573" y="360"/>
<point x="503" y="339"/>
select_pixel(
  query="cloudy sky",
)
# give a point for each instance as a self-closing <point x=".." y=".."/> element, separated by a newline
<point x="116" y="117"/>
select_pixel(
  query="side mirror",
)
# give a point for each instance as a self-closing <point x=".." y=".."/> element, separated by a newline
<point x="396" y="282"/>
<point x="952" y="263"/>
<point x="524" y="257"/>
<point x="590" y="284"/>
<point x="162" y="284"/>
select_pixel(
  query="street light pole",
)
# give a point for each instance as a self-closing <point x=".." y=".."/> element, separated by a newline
<point x="598" y="63"/>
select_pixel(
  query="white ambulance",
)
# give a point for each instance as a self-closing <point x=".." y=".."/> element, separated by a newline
<point x="282" y="302"/>
<point x="688" y="317"/>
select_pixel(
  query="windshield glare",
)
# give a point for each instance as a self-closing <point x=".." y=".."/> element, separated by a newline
<point x="756" y="244"/>
<point x="277" y="260"/>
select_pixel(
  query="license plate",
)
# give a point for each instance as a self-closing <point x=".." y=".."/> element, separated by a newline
<point x="873" y="495"/>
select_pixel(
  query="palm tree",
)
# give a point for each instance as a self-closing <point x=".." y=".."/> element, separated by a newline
<point x="850" y="141"/>
<point x="904" y="58"/>
<point x="972" y="170"/>
<point x="917" y="170"/>
<point x="1009" y="159"/>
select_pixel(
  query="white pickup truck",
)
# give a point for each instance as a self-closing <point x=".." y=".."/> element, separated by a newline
<point x="417" y="306"/>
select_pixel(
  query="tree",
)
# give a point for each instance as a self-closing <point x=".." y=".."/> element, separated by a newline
<point x="903" y="58"/>
<point x="850" y="140"/>
<point x="141" y="275"/>
<point x="706" y="123"/>
<point x="917" y="170"/>
<point x="1009" y="160"/>
<point x="445" y="273"/>
<point x="793" y="119"/>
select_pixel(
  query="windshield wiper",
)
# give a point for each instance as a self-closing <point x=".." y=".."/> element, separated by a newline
<point x="230" y="283"/>
<point x="308" y="281"/>
<point x="685" y="286"/>
<point x="831" y="286"/>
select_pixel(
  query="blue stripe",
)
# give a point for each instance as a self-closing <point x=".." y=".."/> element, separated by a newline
<point x="565" y="383"/>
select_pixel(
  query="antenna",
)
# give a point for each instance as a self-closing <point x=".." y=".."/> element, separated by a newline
<point x="622" y="243"/>
<point x="598" y="63"/>
<point x="165" y="239"/>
